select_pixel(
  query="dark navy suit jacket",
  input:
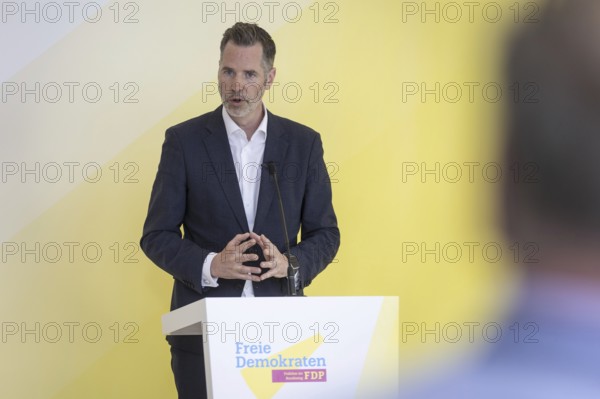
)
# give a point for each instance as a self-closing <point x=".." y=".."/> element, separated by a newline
<point x="197" y="189"/>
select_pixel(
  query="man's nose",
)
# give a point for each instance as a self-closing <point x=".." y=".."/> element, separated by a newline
<point x="237" y="83"/>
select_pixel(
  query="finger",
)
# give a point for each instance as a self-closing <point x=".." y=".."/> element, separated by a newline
<point x="268" y="274"/>
<point x="258" y="239"/>
<point x="245" y="270"/>
<point x="248" y="273"/>
<point x="247" y="258"/>
<point x="267" y="254"/>
<point x="268" y="265"/>
<point x="273" y="250"/>
<point x="251" y="277"/>
<point x="235" y="241"/>
<point x="243" y="247"/>
<point x="268" y="250"/>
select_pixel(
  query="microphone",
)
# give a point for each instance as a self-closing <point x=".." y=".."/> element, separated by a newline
<point x="293" y="270"/>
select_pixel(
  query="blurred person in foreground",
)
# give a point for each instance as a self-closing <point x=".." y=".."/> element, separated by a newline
<point x="560" y="212"/>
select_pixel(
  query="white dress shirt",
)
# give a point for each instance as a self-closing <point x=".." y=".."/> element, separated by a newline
<point x="247" y="159"/>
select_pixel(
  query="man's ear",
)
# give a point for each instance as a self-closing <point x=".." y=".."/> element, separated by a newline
<point x="270" y="78"/>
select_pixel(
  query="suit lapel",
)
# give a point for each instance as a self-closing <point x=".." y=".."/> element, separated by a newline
<point x="275" y="149"/>
<point x="217" y="146"/>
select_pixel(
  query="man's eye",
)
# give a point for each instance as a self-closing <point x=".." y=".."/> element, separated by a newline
<point x="250" y="74"/>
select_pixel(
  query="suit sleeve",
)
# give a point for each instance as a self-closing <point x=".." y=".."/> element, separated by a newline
<point x="162" y="239"/>
<point x="320" y="236"/>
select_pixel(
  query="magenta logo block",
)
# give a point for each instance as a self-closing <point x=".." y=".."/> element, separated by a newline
<point x="299" y="375"/>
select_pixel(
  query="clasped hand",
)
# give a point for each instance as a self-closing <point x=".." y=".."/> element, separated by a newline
<point x="229" y="263"/>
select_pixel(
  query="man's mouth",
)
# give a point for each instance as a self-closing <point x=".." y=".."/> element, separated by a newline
<point x="235" y="100"/>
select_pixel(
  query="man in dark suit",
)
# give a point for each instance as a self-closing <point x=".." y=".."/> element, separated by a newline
<point x="212" y="182"/>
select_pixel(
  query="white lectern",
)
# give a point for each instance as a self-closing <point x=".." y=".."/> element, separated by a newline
<point x="295" y="347"/>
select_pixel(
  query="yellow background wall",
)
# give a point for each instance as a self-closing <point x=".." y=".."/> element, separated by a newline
<point x="78" y="323"/>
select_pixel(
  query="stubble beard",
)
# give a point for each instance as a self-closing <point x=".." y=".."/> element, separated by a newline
<point x="245" y="108"/>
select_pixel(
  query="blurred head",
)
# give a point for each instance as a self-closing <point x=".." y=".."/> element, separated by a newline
<point x="245" y="69"/>
<point x="556" y="137"/>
